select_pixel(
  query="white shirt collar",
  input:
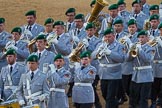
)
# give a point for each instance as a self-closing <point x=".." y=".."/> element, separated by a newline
<point x="13" y="66"/>
<point x="34" y="71"/>
<point x="31" y="26"/>
<point x="41" y="52"/>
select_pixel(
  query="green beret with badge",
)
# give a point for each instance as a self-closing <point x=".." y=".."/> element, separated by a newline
<point x="90" y="25"/>
<point x="154" y="7"/>
<point x="120" y="2"/>
<point x="160" y="26"/>
<point x="113" y="6"/>
<point x="2" y="20"/>
<point x="32" y="58"/>
<point x="31" y="12"/>
<point x="85" y="54"/>
<point x="41" y="36"/>
<point x="70" y="10"/>
<point x="154" y="17"/>
<point x="142" y="32"/>
<point x="58" y="56"/>
<point x="119" y="21"/>
<point x="92" y="2"/>
<point x="10" y="51"/>
<point x="48" y="21"/>
<point x="136" y="2"/>
<point x="17" y="29"/>
<point x="108" y="31"/>
<point x="58" y="23"/>
<point x="79" y="16"/>
<point x="132" y="22"/>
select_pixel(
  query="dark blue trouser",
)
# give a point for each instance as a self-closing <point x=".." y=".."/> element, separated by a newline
<point x="109" y="90"/>
<point x="139" y="94"/>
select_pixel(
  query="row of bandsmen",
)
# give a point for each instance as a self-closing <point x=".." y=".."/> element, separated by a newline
<point x="79" y="30"/>
<point x="113" y="62"/>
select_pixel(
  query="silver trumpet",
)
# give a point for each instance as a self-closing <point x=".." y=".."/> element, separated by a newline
<point x="101" y="50"/>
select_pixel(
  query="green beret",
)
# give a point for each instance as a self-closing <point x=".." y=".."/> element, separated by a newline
<point x="90" y="25"/>
<point x="2" y="20"/>
<point x="131" y="22"/>
<point x="92" y="2"/>
<point x="142" y="32"/>
<point x="48" y="21"/>
<point x="154" y="7"/>
<point x="32" y="58"/>
<point x="10" y="51"/>
<point x="154" y="17"/>
<point x="70" y="10"/>
<point x="85" y="54"/>
<point x="58" y="56"/>
<point x="136" y="2"/>
<point x="58" y="23"/>
<point x="79" y="16"/>
<point x="41" y="36"/>
<point x="113" y="6"/>
<point x="17" y="29"/>
<point x="120" y="2"/>
<point x="160" y="26"/>
<point x="108" y="31"/>
<point x="119" y="21"/>
<point x="31" y="12"/>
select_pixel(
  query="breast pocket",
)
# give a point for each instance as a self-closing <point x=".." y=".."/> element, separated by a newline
<point x="39" y="86"/>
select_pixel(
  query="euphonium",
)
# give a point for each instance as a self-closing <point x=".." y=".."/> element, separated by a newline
<point x="74" y="56"/>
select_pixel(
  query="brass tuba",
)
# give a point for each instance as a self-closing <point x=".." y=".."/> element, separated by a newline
<point x="99" y="5"/>
<point x="74" y="56"/>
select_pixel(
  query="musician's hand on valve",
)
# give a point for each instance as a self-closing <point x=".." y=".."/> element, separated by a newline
<point x="107" y="51"/>
<point x="52" y="67"/>
<point x="21" y="102"/>
<point x="139" y="46"/>
<point x="41" y="97"/>
<point x="85" y="42"/>
<point x="14" y="47"/>
<point x="75" y="38"/>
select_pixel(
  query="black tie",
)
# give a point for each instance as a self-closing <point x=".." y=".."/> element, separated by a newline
<point x="39" y="56"/>
<point x="15" y="43"/>
<point x="153" y="32"/>
<point x="88" y="39"/>
<point x="69" y="26"/>
<point x="78" y="31"/>
<point x="32" y="75"/>
<point x="58" y="37"/>
<point x="56" y="70"/>
<point x="29" y="28"/>
<point x="82" y="67"/>
<point x="11" y="69"/>
<point x="135" y="16"/>
<point x="117" y="35"/>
